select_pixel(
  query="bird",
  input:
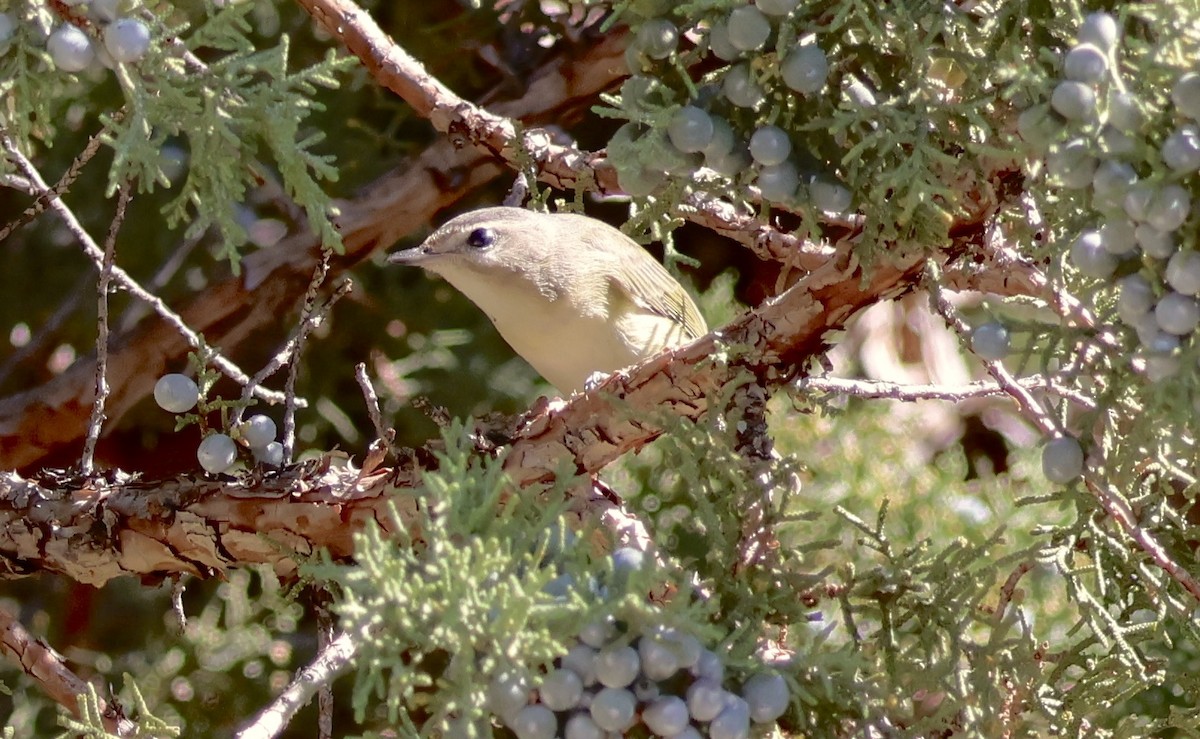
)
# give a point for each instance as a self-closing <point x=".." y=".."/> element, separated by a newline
<point x="572" y="295"/>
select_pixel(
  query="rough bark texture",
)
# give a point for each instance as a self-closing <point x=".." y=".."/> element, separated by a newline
<point x="93" y="531"/>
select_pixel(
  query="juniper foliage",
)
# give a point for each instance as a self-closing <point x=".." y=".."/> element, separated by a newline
<point x="912" y="586"/>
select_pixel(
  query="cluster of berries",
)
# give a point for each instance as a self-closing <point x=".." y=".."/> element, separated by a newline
<point x="219" y="451"/>
<point x="121" y="39"/>
<point x="1140" y="192"/>
<point x="619" y="678"/>
<point x="1097" y="138"/>
<point x="700" y="132"/>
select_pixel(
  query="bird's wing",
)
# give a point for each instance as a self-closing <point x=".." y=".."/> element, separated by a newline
<point x="648" y="284"/>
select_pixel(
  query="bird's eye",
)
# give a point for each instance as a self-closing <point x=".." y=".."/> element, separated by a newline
<point x="481" y="238"/>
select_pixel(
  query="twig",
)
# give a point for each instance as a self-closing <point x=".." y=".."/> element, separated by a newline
<point x="1120" y="511"/>
<point x="47" y="668"/>
<point x="1008" y="264"/>
<point x="18" y="183"/>
<point x="438" y="414"/>
<point x="385" y="438"/>
<point x="331" y="661"/>
<point x="1009" y="588"/>
<point x="177" y="588"/>
<point x="518" y="192"/>
<point x="124" y="279"/>
<point x="1029" y="405"/>
<point x="950" y="393"/>
<point x="161" y="277"/>
<point x="297" y="346"/>
<point x="88" y="459"/>
<point x="1064" y="303"/>
<point x="310" y="318"/>
<point x="325" y="636"/>
<point x="371" y="398"/>
<point x="273" y="365"/>
<point x="35" y="185"/>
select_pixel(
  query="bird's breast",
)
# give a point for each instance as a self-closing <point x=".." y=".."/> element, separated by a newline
<point x="569" y="336"/>
<point x="563" y="344"/>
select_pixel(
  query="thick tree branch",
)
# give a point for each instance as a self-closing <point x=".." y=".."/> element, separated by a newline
<point x="565" y="166"/>
<point x="94" y="530"/>
<point x="775" y="341"/>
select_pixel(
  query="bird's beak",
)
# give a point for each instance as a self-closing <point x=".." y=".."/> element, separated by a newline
<point x="415" y="256"/>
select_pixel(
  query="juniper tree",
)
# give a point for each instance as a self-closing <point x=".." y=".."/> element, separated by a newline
<point x="931" y="473"/>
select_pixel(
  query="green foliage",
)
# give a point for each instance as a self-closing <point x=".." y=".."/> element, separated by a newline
<point x="717" y="303"/>
<point x="915" y="593"/>
<point x="23" y="60"/>
<point x="226" y="110"/>
<point x="899" y="147"/>
<point x="913" y="585"/>
<point x="247" y="627"/>
<point x="91" y="724"/>
<point x="1144" y="416"/>
<point x="884" y="588"/>
<point x="488" y="581"/>
<point x="909" y="600"/>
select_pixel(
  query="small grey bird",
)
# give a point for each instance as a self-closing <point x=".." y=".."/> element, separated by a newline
<point x="571" y="294"/>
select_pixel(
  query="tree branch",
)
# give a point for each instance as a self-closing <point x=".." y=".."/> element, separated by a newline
<point x="333" y="659"/>
<point x="48" y="669"/>
<point x="563" y="167"/>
